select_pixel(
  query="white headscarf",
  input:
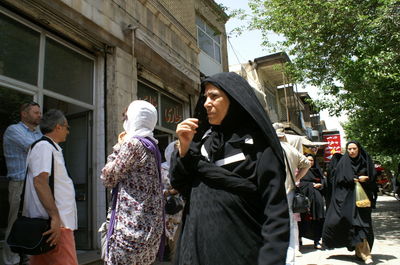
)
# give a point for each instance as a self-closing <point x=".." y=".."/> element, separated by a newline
<point x="168" y="154"/>
<point x="141" y="120"/>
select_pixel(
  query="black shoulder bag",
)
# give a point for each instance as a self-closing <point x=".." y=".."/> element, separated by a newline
<point x="174" y="204"/>
<point x="301" y="203"/>
<point x="26" y="235"/>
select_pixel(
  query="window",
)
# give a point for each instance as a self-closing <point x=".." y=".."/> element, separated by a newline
<point x="68" y="72"/>
<point x="18" y="44"/>
<point x="208" y="39"/>
<point x="36" y="65"/>
<point x="170" y="111"/>
<point x="271" y="102"/>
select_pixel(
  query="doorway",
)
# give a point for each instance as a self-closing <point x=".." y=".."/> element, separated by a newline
<point x="78" y="157"/>
<point x="9" y="114"/>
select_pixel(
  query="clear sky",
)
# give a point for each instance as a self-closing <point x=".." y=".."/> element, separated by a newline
<point x="248" y="47"/>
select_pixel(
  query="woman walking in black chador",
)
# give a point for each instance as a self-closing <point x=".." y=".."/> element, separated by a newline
<point x="230" y="167"/>
<point x="313" y="185"/>
<point x="348" y="225"/>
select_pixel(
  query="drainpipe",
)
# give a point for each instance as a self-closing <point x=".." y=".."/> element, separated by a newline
<point x="286" y="100"/>
<point x="131" y="30"/>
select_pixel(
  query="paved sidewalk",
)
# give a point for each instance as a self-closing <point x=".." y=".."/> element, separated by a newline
<point x="386" y="249"/>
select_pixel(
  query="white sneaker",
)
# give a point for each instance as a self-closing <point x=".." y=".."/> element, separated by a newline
<point x="368" y="261"/>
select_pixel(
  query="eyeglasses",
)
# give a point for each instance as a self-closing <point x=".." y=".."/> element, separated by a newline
<point x="66" y="127"/>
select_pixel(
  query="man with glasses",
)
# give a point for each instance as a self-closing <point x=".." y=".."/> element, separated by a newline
<point x="16" y="141"/>
<point x="39" y="201"/>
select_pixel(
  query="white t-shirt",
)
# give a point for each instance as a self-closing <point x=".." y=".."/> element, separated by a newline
<point x="38" y="161"/>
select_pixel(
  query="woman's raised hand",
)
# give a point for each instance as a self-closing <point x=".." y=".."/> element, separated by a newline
<point x="121" y="137"/>
<point x="186" y="131"/>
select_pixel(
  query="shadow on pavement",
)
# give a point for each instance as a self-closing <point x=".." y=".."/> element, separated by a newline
<point x="304" y="249"/>
<point x="377" y="258"/>
<point x="382" y="259"/>
<point x="350" y="258"/>
<point x="386" y="220"/>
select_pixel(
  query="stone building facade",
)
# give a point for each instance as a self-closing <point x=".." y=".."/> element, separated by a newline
<point x="91" y="58"/>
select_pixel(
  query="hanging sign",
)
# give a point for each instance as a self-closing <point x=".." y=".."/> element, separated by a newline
<point x="334" y="145"/>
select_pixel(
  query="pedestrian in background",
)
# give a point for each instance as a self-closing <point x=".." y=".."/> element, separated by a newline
<point x="134" y="169"/>
<point x="313" y="186"/>
<point x="329" y="179"/>
<point x="16" y="142"/>
<point x="397" y="183"/>
<point x="45" y="158"/>
<point x="346" y="224"/>
<point x="173" y="220"/>
<point x="297" y="165"/>
<point x="230" y="167"/>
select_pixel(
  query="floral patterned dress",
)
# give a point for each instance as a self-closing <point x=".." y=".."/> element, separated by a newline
<point x="139" y="211"/>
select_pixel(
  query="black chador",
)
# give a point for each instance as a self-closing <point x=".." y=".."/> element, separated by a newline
<point x="233" y="177"/>
<point x="347" y="225"/>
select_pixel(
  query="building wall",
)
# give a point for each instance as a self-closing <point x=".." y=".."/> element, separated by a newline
<point x="131" y="40"/>
<point x="209" y="12"/>
<point x="158" y="35"/>
<point x="182" y="11"/>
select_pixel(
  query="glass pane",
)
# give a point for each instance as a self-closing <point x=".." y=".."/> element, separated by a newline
<point x="68" y="72"/>
<point x="210" y="31"/>
<point x="206" y="43"/>
<point x="217" y="39"/>
<point x="217" y="53"/>
<point x="200" y="23"/>
<point x="163" y="141"/>
<point x="19" y="51"/>
<point x="171" y="112"/>
<point x="9" y="114"/>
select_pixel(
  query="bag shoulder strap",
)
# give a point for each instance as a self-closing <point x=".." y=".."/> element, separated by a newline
<point x="288" y="166"/>
<point x="51" y="177"/>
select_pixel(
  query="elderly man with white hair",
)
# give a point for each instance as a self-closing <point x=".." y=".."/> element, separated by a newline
<point x="293" y="160"/>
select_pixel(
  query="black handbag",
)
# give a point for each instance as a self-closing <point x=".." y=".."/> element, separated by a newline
<point x="173" y="205"/>
<point x="26" y="235"/>
<point x="301" y="203"/>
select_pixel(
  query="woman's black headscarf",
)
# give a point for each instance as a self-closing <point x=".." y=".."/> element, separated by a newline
<point x="244" y="111"/>
<point x="362" y="165"/>
<point x="315" y="170"/>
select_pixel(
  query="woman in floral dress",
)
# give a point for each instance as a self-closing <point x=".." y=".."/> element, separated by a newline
<point x="139" y="210"/>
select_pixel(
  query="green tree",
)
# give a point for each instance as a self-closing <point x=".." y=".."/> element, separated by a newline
<point x="351" y="50"/>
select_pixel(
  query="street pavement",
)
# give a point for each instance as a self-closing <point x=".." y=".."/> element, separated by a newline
<point x="386" y="249"/>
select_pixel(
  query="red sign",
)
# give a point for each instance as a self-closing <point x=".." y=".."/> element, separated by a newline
<point x="333" y="146"/>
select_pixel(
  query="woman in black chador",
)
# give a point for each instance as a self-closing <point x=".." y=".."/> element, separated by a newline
<point x="312" y="185"/>
<point x="347" y="225"/>
<point x="230" y="167"/>
<point x="331" y="173"/>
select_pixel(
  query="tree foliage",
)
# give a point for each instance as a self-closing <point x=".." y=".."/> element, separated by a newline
<point x="351" y="50"/>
